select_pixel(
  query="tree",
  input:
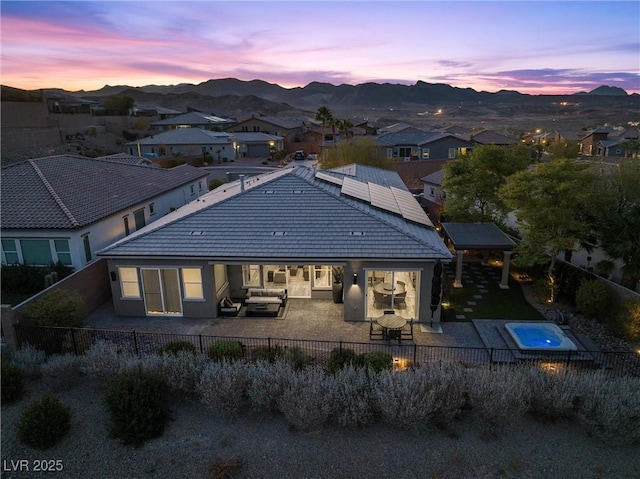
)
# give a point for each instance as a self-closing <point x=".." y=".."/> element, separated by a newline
<point x="563" y="149"/>
<point x="363" y="151"/>
<point x="551" y="201"/>
<point x="472" y="182"/>
<point x="618" y="225"/>
<point x="325" y="116"/>
<point x="118" y="103"/>
<point x="345" y="125"/>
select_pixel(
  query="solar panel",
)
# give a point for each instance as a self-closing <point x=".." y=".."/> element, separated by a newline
<point x="409" y="207"/>
<point x="383" y="198"/>
<point x="356" y="189"/>
<point x="329" y="178"/>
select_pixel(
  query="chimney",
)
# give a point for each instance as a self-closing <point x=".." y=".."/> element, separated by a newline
<point x="241" y="182"/>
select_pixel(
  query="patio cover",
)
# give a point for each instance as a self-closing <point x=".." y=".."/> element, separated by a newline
<point x="480" y="236"/>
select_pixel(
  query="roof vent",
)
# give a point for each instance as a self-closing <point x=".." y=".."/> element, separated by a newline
<point x="357" y="233"/>
<point x="279" y="233"/>
<point x="196" y="233"/>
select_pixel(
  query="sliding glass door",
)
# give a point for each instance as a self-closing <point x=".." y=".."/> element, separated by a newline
<point x="162" y="291"/>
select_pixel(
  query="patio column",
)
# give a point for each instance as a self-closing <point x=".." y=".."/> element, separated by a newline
<point x="504" y="283"/>
<point x="458" y="281"/>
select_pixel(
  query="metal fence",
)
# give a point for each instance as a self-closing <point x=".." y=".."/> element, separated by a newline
<point x="57" y="340"/>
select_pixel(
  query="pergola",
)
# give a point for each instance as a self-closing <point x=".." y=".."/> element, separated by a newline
<point x="478" y="236"/>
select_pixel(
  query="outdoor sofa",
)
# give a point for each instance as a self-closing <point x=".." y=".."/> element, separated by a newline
<point x="266" y="295"/>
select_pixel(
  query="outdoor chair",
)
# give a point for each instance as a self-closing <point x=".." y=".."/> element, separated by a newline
<point x="400" y="300"/>
<point x="379" y="299"/>
<point x="407" y="331"/>
<point x="394" y="334"/>
<point x="375" y="330"/>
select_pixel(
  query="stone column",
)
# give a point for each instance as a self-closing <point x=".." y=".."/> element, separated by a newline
<point x="504" y="283"/>
<point x="458" y="281"/>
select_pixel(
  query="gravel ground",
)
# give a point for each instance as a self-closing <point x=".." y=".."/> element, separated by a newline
<point x="267" y="447"/>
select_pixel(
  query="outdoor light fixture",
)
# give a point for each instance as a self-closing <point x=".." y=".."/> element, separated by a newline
<point x="355" y="278"/>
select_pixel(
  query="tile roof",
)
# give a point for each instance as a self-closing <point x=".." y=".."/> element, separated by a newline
<point x="184" y="136"/>
<point x="67" y="192"/>
<point x="193" y="118"/>
<point x="286" y="123"/>
<point x="488" y="137"/>
<point x="249" y="136"/>
<point x="286" y="214"/>
<point x="413" y="137"/>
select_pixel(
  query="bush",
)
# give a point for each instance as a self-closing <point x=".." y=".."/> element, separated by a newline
<point x="353" y="397"/>
<point x="626" y="321"/>
<point x="266" y="353"/>
<point x="306" y="400"/>
<point x="12" y="380"/>
<point x="175" y="347"/>
<point x="44" y="422"/>
<point x="29" y="359"/>
<point x="541" y="290"/>
<point x="57" y="308"/>
<point x="377" y="361"/>
<point x="593" y="299"/>
<point x="225" y="349"/>
<point x="608" y="407"/>
<point x="297" y="357"/>
<point x="341" y="358"/>
<point x="101" y="360"/>
<point x="181" y="371"/>
<point x="553" y="396"/>
<point x="27" y="279"/>
<point x="60" y="373"/>
<point x="266" y="383"/>
<point x="138" y="406"/>
<point x="223" y="386"/>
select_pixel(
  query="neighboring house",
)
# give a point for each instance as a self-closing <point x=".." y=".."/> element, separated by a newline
<point x="285" y="229"/>
<point x="193" y="119"/>
<point x="433" y="196"/>
<point x="488" y="137"/>
<point x="185" y="142"/>
<point x="415" y="144"/>
<point x="64" y="208"/>
<point x="285" y="127"/>
<point x="255" y="145"/>
<point x="588" y="143"/>
<point x="162" y="113"/>
<point x="622" y="144"/>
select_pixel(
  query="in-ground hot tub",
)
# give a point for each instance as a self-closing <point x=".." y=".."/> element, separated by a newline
<point x="541" y="336"/>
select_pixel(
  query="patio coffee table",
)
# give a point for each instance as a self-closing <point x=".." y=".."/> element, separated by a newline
<point x="262" y="309"/>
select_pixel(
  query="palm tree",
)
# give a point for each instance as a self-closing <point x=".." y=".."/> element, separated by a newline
<point x="345" y="125"/>
<point x="325" y="116"/>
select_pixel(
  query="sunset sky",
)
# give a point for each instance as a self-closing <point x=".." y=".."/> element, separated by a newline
<point x="545" y="47"/>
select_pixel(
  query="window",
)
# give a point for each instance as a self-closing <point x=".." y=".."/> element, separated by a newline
<point x="10" y="251"/>
<point x="36" y="252"/>
<point x="151" y="209"/>
<point x="251" y="275"/>
<point x="126" y="225"/>
<point x="219" y="277"/>
<point x="425" y="153"/>
<point x="199" y="185"/>
<point x="192" y="283"/>
<point x="87" y="248"/>
<point x="129" y="285"/>
<point x="62" y="251"/>
<point x="193" y="189"/>
<point x="138" y="216"/>
<point x="322" y="276"/>
<point x="452" y="153"/>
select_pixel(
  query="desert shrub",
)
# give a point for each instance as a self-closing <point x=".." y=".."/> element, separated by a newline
<point x="609" y="408"/>
<point x="306" y="399"/>
<point x="298" y="357"/>
<point x="353" y="396"/>
<point x="593" y="299"/>
<point x="44" y="422"/>
<point x="498" y="396"/>
<point x="57" y="308"/>
<point x="175" y="347"/>
<point x="138" y="406"/>
<point x="223" y="386"/>
<point x="541" y="290"/>
<point x="340" y="358"/>
<point x="61" y="372"/>
<point x="12" y="381"/>
<point x="416" y="396"/>
<point x="377" y="361"/>
<point x="100" y="360"/>
<point x="626" y="320"/>
<point x="182" y="371"/>
<point x="568" y="280"/>
<point x="29" y="359"/>
<point x="266" y="353"/>
<point x="225" y="349"/>
<point x="553" y="396"/>
<point x="266" y="384"/>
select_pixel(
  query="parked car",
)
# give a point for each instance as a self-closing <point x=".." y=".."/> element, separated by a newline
<point x="298" y="155"/>
<point x="312" y="156"/>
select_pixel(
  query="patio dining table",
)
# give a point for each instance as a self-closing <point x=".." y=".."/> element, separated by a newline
<point x="388" y="288"/>
<point x="391" y="322"/>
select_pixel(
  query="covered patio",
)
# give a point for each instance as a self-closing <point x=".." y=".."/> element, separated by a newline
<point x="478" y="236"/>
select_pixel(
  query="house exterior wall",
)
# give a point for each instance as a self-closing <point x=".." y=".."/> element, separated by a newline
<point x="162" y="149"/>
<point x="109" y="230"/>
<point x="256" y="124"/>
<point x="439" y="149"/>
